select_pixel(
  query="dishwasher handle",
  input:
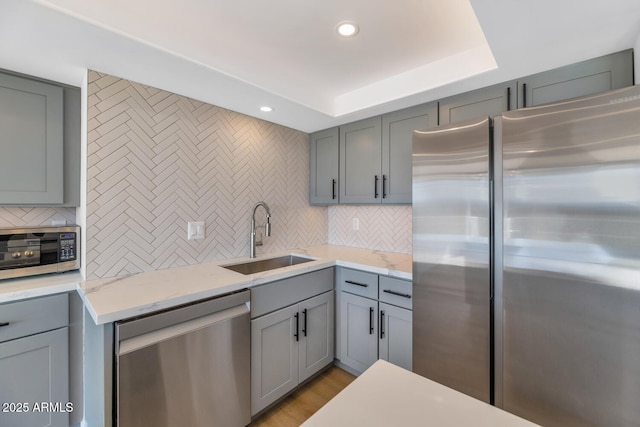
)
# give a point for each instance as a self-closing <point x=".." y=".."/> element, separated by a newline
<point x="141" y="341"/>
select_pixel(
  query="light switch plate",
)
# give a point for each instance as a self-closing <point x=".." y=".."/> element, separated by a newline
<point x="195" y="230"/>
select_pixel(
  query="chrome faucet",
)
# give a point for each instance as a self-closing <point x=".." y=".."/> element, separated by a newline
<point x="266" y="226"/>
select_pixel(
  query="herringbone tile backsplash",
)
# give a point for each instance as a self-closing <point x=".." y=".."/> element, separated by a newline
<point x="19" y="217"/>
<point x="157" y="160"/>
<point x="384" y="228"/>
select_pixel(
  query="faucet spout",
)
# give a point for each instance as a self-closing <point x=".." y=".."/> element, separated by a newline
<point x="267" y="228"/>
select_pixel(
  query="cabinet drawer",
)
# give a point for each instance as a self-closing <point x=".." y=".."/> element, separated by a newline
<point x="33" y="316"/>
<point x="359" y="283"/>
<point x="396" y="291"/>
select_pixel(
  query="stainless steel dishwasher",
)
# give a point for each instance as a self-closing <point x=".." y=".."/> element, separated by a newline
<point x="188" y="366"/>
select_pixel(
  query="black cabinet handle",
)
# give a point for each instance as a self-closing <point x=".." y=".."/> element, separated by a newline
<point x="304" y="328"/>
<point x="333" y="189"/>
<point x="375" y="187"/>
<point x="381" y="324"/>
<point x="384" y="186"/>
<point x="351" y="282"/>
<point x="370" y="320"/>
<point x="509" y="98"/>
<point x="399" y="294"/>
<point x="4" y="324"/>
<point x="297" y="316"/>
<point x="524" y="94"/>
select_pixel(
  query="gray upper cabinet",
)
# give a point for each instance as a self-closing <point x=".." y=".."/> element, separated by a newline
<point x="397" y="136"/>
<point x="583" y="78"/>
<point x="488" y="101"/>
<point x="375" y="156"/>
<point x="323" y="167"/>
<point x="360" y="161"/>
<point x="31" y="141"/>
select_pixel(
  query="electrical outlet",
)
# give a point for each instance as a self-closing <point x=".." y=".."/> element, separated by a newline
<point x="195" y="230"/>
<point x="356" y="224"/>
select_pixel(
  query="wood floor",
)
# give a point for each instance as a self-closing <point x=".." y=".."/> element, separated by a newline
<point x="301" y="404"/>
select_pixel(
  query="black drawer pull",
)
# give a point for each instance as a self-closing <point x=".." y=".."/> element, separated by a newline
<point x="4" y="324"/>
<point x="399" y="294"/>
<point x="370" y="320"/>
<point x="375" y="187"/>
<point x="384" y="186"/>
<point x="304" y="328"/>
<point x="381" y="324"/>
<point x="297" y="316"/>
<point x="333" y="189"/>
<point x="351" y="282"/>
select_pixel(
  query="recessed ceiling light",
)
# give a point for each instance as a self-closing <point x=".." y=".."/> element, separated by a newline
<point x="347" y="29"/>
<point x="266" y="109"/>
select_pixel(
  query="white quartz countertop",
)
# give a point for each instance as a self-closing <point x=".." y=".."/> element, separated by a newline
<point x="109" y="300"/>
<point x="38" y="286"/>
<point x="386" y="395"/>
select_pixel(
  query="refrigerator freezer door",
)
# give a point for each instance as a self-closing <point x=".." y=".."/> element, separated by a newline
<point x="571" y="287"/>
<point x="451" y="256"/>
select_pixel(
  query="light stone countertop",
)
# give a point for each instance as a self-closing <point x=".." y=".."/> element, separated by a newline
<point x="38" y="286"/>
<point x="112" y="299"/>
<point x="387" y="395"/>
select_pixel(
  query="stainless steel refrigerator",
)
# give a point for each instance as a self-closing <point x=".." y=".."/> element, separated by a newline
<point x="527" y="259"/>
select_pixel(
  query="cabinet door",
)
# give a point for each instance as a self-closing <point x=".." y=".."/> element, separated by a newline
<point x="397" y="140"/>
<point x="395" y="335"/>
<point x="359" y="331"/>
<point x="609" y="72"/>
<point x="35" y="369"/>
<point x="316" y="348"/>
<point x="490" y="101"/>
<point x="360" y="161"/>
<point x="31" y="151"/>
<point x="274" y="357"/>
<point x="323" y="167"/>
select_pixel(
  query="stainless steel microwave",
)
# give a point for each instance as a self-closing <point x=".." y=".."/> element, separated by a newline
<point x="28" y="251"/>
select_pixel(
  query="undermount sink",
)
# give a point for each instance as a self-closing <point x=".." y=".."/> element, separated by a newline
<point x="260" y="265"/>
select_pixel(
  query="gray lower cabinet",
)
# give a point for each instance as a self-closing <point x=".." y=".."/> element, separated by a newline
<point x="490" y="101"/>
<point x="292" y="334"/>
<point x="374" y="320"/>
<point x="31" y="152"/>
<point x="395" y="334"/>
<point x="358" y="331"/>
<point x="288" y="346"/>
<point x="34" y="363"/>
<point x="583" y="78"/>
<point x="323" y="167"/>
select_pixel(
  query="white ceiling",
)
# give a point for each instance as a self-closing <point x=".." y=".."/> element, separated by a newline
<point x="241" y="54"/>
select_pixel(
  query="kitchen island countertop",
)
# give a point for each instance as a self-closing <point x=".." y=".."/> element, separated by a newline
<point x="386" y="395"/>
